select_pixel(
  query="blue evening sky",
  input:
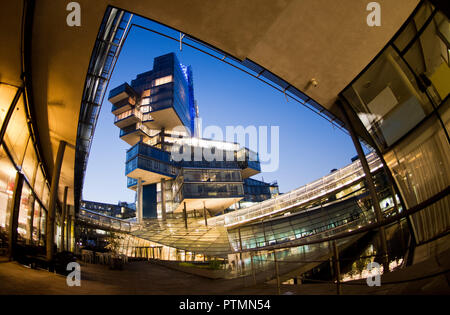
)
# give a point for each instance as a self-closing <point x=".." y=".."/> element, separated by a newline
<point x="309" y="145"/>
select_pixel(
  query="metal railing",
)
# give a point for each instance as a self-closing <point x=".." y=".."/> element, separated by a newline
<point x="316" y="222"/>
<point x="105" y="222"/>
<point x="321" y="187"/>
<point x="293" y="259"/>
<point x="129" y="113"/>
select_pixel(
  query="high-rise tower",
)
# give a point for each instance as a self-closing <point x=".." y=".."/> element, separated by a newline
<point x="156" y="116"/>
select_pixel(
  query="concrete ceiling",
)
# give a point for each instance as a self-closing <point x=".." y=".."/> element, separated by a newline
<point x="296" y="39"/>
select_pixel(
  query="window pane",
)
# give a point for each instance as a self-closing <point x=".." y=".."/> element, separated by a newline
<point x="421" y="168"/>
<point x="387" y="99"/>
<point x="16" y="136"/>
<point x="26" y="200"/>
<point x="163" y="80"/>
<point x="39" y="183"/>
<point x="30" y="162"/>
<point x="6" y="96"/>
<point x="36" y="220"/>
<point x="7" y="180"/>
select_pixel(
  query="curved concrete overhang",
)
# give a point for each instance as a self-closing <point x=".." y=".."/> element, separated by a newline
<point x="296" y="40"/>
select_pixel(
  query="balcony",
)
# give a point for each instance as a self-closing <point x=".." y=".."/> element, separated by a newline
<point x="149" y="169"/>
<point x="121" y="92"/>
<point x="149" y="152"/>
<point x="123" y="106"/>
<point x="248" y="162"/>
<point x="132" y="183"/>
<point x="123" y="98"/>
<point x="132" y="134"/>
<point x="128" y="118"/>
<point x="212" y="190"/>
<point x="215" y="197"/>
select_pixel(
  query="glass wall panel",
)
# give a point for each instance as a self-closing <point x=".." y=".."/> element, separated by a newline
<point x="30" y="162"/>
<point x="16" y="136"/>
<point x="428" y="57"/>
<point x="39" y="183"/>
<point x="36" y="220"/>
<point x="42" y="226"/>
<point x="26" y="200"/>
<point x="7" y="181"/>
<point x="421" y="168"/>
<point x="395" y="99"/>
<point x="387" y="100"/>
<point x="6" y="96"/>
<point x="344" y="215"/>
<point x="212" y="176"/>
<point x="45" y="196"/>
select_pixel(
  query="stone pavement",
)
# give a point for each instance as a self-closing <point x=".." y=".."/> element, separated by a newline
<point x="147" y="278"/>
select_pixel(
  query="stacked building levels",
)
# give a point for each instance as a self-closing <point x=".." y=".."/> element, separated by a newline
<point x="167" y="164"/>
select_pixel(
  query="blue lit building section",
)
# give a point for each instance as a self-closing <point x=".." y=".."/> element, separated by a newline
<point x="149" y="113"/>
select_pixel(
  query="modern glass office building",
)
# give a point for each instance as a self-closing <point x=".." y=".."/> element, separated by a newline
<point x="385" y="86"/>
<point x="167" y="165"/>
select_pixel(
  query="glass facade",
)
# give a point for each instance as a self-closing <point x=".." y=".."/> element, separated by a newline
<point x="166" y="86"/>
<point x="202" y="183"/>
<point x="151" y="165"/>
<point x="402" y="100"/>
<point x="331" y="183"/>
<point x="341" y="215"/>
<point x="207" y="169"/>
<point x="18" y="154"/>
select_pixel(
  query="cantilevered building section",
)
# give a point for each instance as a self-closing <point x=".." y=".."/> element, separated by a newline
<point x="170" y="169"/>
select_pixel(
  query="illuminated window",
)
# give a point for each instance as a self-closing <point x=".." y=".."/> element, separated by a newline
<point x="145" y="109"/>
<point x="146" y="93"/>
<point x="163" y="80"/>
<point x="145" y="101"/>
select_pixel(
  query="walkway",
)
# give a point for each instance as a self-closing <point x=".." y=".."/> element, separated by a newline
<point x="146" y="278"/>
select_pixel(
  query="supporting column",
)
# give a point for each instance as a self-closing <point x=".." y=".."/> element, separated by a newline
<point x="139" y="209"/>
<point x="264" y="233"/>
<point x="253" y="268"/>
<point x="277" y="272"/>
<point x="14" y="215"/>
<point x="41" y="213"/>
<point x="73" y="240"/>
<point x="185" y="215"/>
<point x="50" y="230"/>
<point x="370" y="184"/>
<point x="337" y="268"/>
<point x="68" y="225"/>
<point x="204" y="214"/>
<point x="163" y="199"/>
<point x="240" y="251"/>
<point x="30" y="220"/>
<point x="63" y="219"/>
